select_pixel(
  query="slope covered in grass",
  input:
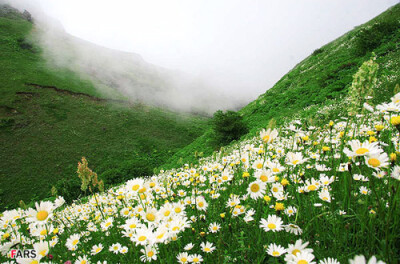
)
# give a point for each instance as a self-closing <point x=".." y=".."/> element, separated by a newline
<point x="301" y="195"/>
<point x="321" y="79"/>
<point x="51" y="117"/>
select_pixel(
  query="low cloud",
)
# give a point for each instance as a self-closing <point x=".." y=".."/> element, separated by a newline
<point x="204" y="55"/>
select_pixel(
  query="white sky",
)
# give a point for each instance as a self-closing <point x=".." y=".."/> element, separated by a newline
<point x="242" y="46"/>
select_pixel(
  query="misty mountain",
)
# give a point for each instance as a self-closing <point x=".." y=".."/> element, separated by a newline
<point x="51" y="116"/>
<point x="126" y="73"/>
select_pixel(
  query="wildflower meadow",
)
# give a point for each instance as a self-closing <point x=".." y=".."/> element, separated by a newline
<point x="294" y="194"/>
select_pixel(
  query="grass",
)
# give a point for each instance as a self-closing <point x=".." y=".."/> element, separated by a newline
<point x="44" y="133"/>
<point x="302" y="191"/>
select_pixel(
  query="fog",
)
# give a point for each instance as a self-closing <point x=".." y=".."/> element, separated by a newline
<point x="191" y="55"/>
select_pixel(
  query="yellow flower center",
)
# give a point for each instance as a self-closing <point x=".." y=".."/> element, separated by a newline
<point x="150" y="254"/>
<point x="108" y="224"/>
<point x="374" y="162"/>
<point x="295" y="162"/>
<point x="279" y="206"/>
<point x="167" y="213"/>
<point x="135" y="187"/>
<point x="34" y="262"/>
<point x="175" y="228"/>
<point x="98" y="250"/>
<point x="312" y="187"/>
<point x="43" y="253"/>
<point x="295" y="251"/>
<point x="266" y="138"/>
<point x="42" y="215"/>
<point x="150" y="217"/>
<point x="275" y="253"/>
<point x="259" y="166"/>
<point x="361" y="151"/>
<point x="75" y="242"/>
<point x="255" y="187"/>
<point x="271" y="226"/>
<point x="132" y="226"/>
<point x="200" y="204"/>
<point x="263" y="178"/>
<point x="183" y="259"/>
<point x="275" y="170"/>
<point x="302" y="261"/>
<point x="395" y="120"/>
<point x="43" y="232"/>
<point x="142" y="238"/>
<point x="195" y="260"/>
<point x="178" y="210"/>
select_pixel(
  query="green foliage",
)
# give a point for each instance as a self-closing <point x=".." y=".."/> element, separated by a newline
<point x="318" y="51"/>
<point x="227" y="127"/>
<point x="370" y="38"/>
<point x="69" y="188"/>
<point x="396" y="89"/>
<point x="364" y="82"/>
<point x="127" y="170"/>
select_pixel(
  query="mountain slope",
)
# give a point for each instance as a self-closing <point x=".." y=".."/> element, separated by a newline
<point x="321" y="78"/>
<point x="328" y="72"/>
<point x="51" y="117"/>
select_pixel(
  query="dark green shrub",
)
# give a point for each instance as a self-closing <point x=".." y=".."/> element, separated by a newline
<point x="69" y="188"/>
<point x="317" y="51"/>
<point x="371" y="38"/>
<point x="7" y="122"/>
<point x="112" y="176"/>
<point x="227" y="127"/>
<point x="127" y="170"/>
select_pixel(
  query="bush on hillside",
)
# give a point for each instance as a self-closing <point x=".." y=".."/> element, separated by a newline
<point x="317" y="51"/>
<point x="69" y="189"/>
<point x="371" y="38"/>
<point x="227" y="127"/>
<point x="127" y="170"/>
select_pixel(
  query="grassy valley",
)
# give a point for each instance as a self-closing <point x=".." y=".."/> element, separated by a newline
<point x="51" y="117"/>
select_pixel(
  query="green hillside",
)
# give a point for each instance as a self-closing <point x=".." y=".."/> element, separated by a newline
<point x="50" y="118"/>
<point x="322" y="78"/>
